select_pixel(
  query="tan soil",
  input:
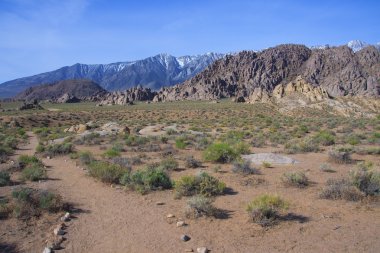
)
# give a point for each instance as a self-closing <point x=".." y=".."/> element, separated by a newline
<point x="114" y="220"/>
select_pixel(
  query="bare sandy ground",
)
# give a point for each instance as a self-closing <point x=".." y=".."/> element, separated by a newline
<point x="114" y="220"/>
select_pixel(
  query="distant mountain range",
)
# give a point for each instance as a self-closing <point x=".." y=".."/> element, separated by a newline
<point x="153" y="72"/>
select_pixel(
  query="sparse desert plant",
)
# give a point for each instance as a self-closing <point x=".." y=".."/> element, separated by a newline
<point x="324" y="167"/>
<point x="169" y="163"/>
<point x="111" y="153"/>
<point x="199" y="206"/>
<point x="86" y="157"/>
<point x="135" y="140"/>
<point x="244" y="168"/>
<point x="304" y="146"/>
<point x="191" y="162"/>
<point x="266" y="164"/>
<point x="337" y="156"/>
<point x="202" y="184"/>
<point x="34" y="172"/>
<point x="181" y="142"/>
<point x="297" y="179"/>
<point x="58" y="149"/>
<point x="264" y="209"/>
<point x="25" y="160"/>
<point x="341" y="189"/>
<point x="325" y="138"/>
<point x="5" y="178"/>
<point x="106" y="172"/>
<point x="220" y="152"/>
<point x="366" y="179"/>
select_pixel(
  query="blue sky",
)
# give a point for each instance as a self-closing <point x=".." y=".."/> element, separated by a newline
<point x="43" y="35"/>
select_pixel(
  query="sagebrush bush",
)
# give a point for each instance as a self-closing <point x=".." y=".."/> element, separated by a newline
<point x="135" y="140"/>
<point x="111" y="153"/>
<point x="325" y="138"/>
<point x="264" y="208"/>
<point x="202" y="184"/>
<point x="169" y="163"/>
<point x="34" y="172"/>
<point x="106" y="172"/>
<point x="57" y="149"/>
<point x="5" y="178"/>
<point x="326" y="168"/>
<point x="86" y="157"/>
<point x="181" y="142"/>
<point x="147" y="179"/>
<point x="304" y="146"/>
<point x="341" y="189"/>
<point x="199" y="205"/>
<point x="29" y="202"/>
<point x="244" y="168"/>
<point x="297" y="179"/>
<point x="191" y="162"/>
<point x="337" y="156"/>
<point x="366" y="180"/>
<point x="220" y="152"/>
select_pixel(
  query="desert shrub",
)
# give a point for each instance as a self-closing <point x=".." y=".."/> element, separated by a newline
<point x="220" y="152"/>
<point x="5" y="208"/>
<point x="202" y="184"/>
<point x="25" y="160"/>
<point x="241" y="148"/>
<point x="111" y="153"/>
<point x="201" y="143"/>
<point x="367" y="180"/>
<point x="337" y="156"/>
<point x="199" y="205"/>
<point x="258" y="141"/>
<point x="340" y="189"/>
<point x="89" y="139"/>
<point x="5" y="178"/>
<point x="367" y="151"/>
<point x="106" y="172"/>
<point x="164" y="139"/>
<point x="244" y="168"/>
<point x="32" y="168"/>
<point x="135" y="140"/>
<point x="28" y="202"/>
<point x="181" y="142"/>
<point x="297" y="179"/>
<point x="326" y="168"/>
<point x="147" y="179"/>
<point x="264" y="209"/>
<point x="191" y="162"/>
<point x="325" y="138"/>
<point x="58" y="149"/>
<point x="352" y="139"/>
<point x="303" y="146"/>
<point x="4" y="153"/>
<point x="118" y="147"/>
<point x="122" y="162"/>
<point x="169" y="163"/>
<point x="86" y="157"/>
<point x="266" y="164"/>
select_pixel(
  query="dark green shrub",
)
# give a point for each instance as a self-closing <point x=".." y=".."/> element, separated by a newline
<point x="58" y="149"/>
<point x="297" y="179"/>
<point x="86" y="157"/>
<point x="135" y="140"/>
<point x="220" y="152"/>
<point x="111" y="153"/>
<point x="325" y="138"/>
<point x="5" y="178"/>
<point x="264" y="209"/>
<point x="181" y="142"/>
<point x="304" y="146"/>
<point x="34" y="172"/>
<point x="147" y="180"/>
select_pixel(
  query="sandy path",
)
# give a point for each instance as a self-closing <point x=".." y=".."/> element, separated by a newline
<point x="28" y="148"/>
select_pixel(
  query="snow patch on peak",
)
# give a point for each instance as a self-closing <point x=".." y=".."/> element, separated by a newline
<point x="357" y="45"/>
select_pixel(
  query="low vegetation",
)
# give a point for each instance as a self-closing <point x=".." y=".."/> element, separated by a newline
<point x="199" y="206"/>
<point x="297" y="179"/>
<point x="220" y="153"/>
<point x="52" y="150"/>
<point x="106" y="172"/>
<point x="265" y="208"/>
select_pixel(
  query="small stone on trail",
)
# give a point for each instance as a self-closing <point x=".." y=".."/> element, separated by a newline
<point x="202" y="250"/>
<point x="58" y="230"/>
<point x="66" y="217"/>
<point x="180" y="224"/>
<point x="160" y="203"/>
<point x="47" y="250"/>
<point x="185" y="238"/>
<point x="189" y="250"/>
<point x="170" y="215"/>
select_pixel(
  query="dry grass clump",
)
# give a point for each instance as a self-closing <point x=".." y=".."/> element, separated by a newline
<point x="297" y="179"/>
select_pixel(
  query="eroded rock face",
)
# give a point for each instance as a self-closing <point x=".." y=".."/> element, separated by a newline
<point x="67" y="98"/>
<point x="128" y="97"/>
<point x="337" y="71"/>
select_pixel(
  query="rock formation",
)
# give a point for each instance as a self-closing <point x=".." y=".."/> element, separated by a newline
<point x="128" y="97"/>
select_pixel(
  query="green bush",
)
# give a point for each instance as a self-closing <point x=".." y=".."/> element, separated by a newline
<point x="134" y="140"/>
<point x="111" y="153"/>
<point x="86" y="157"/>
<point x="325" y="138"/>
<point x="106" y="172"/>
<point x="304" y="146"/>
<point x="191" y="162"/>
<point x="5" y="178"/>
<point x="337" y="156"/>
<point x="297" y="179"/>
<point x="199" y="205"/>
<point x="181" y="142"/>
<point x="202" y="184"/>
<point x="220" y="152"/>
<point x="58" y="149"/>
<point x="366" y="180"/>
<point x="169" y="163"/>
<point x="26" y="160"/>
<point x="147" y="179"/>
<point x="264" y="208"/>
<point x="34" y="172"/>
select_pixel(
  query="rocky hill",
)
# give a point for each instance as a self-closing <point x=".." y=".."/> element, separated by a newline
<point x="63" y="91"/>
<point x="153" y="72"/>
<point x="338" y="71"/>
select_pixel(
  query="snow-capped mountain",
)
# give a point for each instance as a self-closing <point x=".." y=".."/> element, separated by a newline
<point x="153" y="72"/>
<point x="357" y="45"/>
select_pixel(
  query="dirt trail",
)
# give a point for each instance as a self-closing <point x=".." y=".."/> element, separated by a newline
<point x="29" y="148"/>
<point x="113" y="220"/>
